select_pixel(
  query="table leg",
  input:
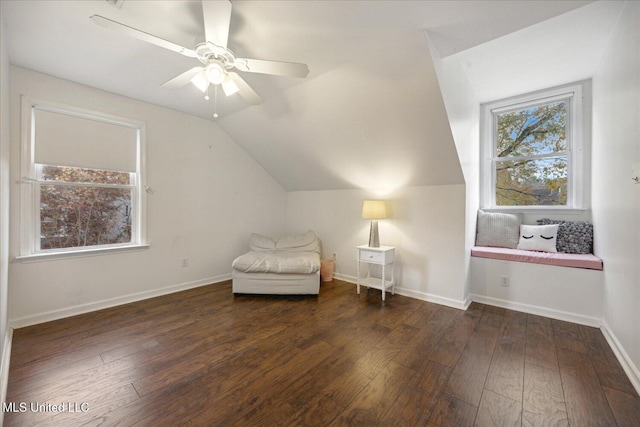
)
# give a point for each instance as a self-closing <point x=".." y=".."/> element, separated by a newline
<point x="393" y="280"/>
<point x="383" y="289"/>
<point x="358" y="274"/>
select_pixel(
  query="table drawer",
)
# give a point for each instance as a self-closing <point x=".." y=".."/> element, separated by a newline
<point x="372" y="256"/>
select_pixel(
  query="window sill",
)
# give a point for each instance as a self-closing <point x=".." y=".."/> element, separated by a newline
<point x="537" y="210"/>
<point x="50" y="256"/>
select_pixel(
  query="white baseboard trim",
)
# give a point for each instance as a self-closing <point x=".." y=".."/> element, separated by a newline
<point x="449" y="302"/>
<point x="345" y="278"/>
<point x="424" y="296"/>
<point x="464" y="304"/>
<point x="537" y="310"/>
<point x="627" y="364"/>
<point x="4" y="369"/>
<point x="467" y="302"/>
<point x="112" y="302"/>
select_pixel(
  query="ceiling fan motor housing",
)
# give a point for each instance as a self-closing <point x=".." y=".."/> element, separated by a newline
<point x="209" y="53"/>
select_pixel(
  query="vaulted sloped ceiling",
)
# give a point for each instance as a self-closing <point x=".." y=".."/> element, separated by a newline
<point x="369" y="115"/>
<point x="560" y="50"/>
<point x="372" y="122"/>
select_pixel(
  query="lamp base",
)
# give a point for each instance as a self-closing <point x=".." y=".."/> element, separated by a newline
<point x="374" y="238"/>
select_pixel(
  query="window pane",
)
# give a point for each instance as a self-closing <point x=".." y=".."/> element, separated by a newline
<point x="532" y="131"/>
<point x="93" y="176"/>
<point x="84" y="216"/>
<point x="532" y="182"/>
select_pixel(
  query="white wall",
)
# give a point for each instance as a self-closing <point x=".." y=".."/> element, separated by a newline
<point x="4" y="211"/>
<point x="616" y="199"/>
<point x="570" y="294"/>
<point x="426" y="227"/>
<point x="463" y="111"/>
<point x="209" y="195"/>
<point x="562" y="297"/>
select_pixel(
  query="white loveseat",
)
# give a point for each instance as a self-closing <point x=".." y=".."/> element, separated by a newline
<point x="289" y="265"/>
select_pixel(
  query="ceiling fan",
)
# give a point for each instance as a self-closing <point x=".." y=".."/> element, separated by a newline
<point x="218" y="61"/>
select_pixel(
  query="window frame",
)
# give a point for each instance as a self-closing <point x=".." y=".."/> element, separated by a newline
<point x="31" y="181"/>
<point x="577" y="146"/>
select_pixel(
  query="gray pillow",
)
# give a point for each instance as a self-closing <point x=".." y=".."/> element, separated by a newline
<point x="574" y="237"/>
<point x="498" y="230"/>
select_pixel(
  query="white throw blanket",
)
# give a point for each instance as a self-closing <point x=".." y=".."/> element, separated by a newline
<point x="278" y="262"/>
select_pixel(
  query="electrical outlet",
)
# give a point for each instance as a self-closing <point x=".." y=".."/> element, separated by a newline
<point x="335" y="256"/>
<point x="505" y="280"/>
<point x="184" y="262"/>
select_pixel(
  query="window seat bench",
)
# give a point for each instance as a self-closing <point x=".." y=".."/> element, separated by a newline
<point x="588" y="261"/>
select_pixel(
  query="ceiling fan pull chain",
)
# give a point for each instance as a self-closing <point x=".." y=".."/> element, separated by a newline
<point x="215" y="101"/>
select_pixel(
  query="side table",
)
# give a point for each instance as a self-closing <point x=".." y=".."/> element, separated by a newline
<point x="383" y="256"/>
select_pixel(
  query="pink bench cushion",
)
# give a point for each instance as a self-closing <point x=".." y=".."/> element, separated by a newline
<point x="589" y="261"/>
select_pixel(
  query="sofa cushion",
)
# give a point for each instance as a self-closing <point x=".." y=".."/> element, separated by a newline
<point x="306" y="242"/>
<point x="291" y="262"/>
<point x="588" y="261"/>
<point x="258" y="242"/>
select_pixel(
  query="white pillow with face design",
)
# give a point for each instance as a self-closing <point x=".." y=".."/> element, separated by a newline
<point x="540" y="238"/>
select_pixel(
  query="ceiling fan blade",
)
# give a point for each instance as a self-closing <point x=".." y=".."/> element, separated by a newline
<point x="245" y="90"/>
<point x="141" y="35"/>
<point x="183" y="79"/>
<point x="217" y="18"/>
<point x="278" y="68"/>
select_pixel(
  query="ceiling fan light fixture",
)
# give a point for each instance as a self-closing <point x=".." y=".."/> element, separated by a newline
<point x="201" y="81"/>
<point x="215" y="73"/>
<point x="229" y="86"/>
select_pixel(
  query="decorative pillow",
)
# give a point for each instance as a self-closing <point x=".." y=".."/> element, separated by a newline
<point x="258" y="243"/>
<point x="540" y="238"/>
<point x="574" y="237"/>
<point x="497" y="229"/>
<point x="307" y="242"/>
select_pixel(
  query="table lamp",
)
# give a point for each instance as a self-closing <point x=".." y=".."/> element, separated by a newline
<point x="374" y="210"/>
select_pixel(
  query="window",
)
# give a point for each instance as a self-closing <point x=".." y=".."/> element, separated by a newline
<point x="81" y="181"/>
<point x="533" y="150"/>
<point x="83" y="207"/>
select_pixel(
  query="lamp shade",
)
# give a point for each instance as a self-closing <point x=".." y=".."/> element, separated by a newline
<point x="374" y="209"/>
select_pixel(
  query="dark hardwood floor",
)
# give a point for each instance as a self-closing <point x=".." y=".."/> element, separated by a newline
<point x="206" y="358"/>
